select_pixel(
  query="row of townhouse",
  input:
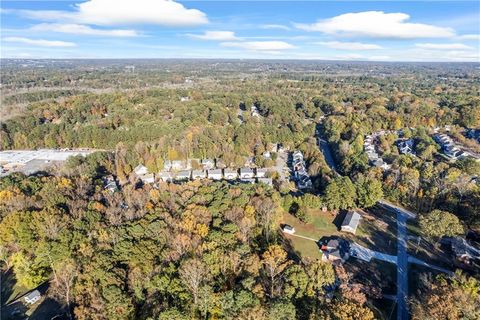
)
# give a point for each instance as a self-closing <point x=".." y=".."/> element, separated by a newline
<point x="300" y="171"/>
<point x="369" y="147"/>
<point x="449" y="147"/>
<point x="243" y="174"/>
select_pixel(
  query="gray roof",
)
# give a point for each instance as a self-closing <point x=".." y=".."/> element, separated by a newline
<point x="33" y="295"/>
<point x="352" y="219"/>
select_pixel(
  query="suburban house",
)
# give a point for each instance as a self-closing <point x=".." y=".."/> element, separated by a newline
<point x="230" y="174"/>
<point x="215" y="174"/>
<point x="140" y="170"/>
<point x="300" y="172"/>
<point x="207" y="164"/>
<point x="165" y="176"/>
<point x="336" y="251"/>
<point x="288" y="229"/>
<point x="183" y="175"/>
<point x="267" y="181"/>
<point x="254" y="111"/>
<point x="464" y="251"/>
<point x="110" y="184"/>
<point x="147" y="178"/>
<point x="261" y="172"/>
<point x="199" y="174"/>
<point x="177" y="165"/>
<point x="406" y="147"/>
<point x="351" y="222"/>
<point x="32" y="297"/>
<point x="246" y="173"/>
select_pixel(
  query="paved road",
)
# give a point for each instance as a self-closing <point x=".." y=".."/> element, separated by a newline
<point x="281" y="165"/>
<point x="327" y="154"/>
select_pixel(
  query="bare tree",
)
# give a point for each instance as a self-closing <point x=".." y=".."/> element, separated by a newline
<point x="193" y="273"/>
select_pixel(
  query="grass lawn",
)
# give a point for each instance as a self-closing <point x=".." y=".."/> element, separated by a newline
<point x="377" y="231"/>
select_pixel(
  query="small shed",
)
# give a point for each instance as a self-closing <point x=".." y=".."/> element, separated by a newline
<point x="33" y="297"/>
<point x="351" y="222"/>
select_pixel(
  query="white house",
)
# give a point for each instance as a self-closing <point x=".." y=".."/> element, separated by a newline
<point x="33" y="297"/>
<point x="140" y="170"/>
<point x="207" y="164"/>
<point x="261" y="172"/>
<point x="288" y="229"/>
<point x="183" y="175"/>
<point x="215" y="174"/>
<point x="147" y="178"/>
<point x="351" y="222"/>
<point x="199" y="174"/>
<point x="177" y="165"/>
<point x="165" y="176"/>
<point x="246" y="173"/>
<point x="230" y="174"/>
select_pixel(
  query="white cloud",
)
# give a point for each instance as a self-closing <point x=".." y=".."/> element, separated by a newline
<point x="215" y="35"/>
<point x="80" y="29"/>
<point x="469" y="37"/>
<point x="443" y="46"/>
<point x="349" y="45"/>
<point x="276" y="26"/>
<point x="39" y="42"/>
<point x="377" y="24"/>
<point x="124" y="12"/>
<point x="259" y="45"/>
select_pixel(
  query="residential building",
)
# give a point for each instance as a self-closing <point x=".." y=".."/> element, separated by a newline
<point x="140" y="170"/>
<point x="464" y="251"/>
<point x="32" y="297"/>
<point x="246" y="173"/>
<point x="207" y="164"/>
<point x="215" y="174"/>
<point x="199" y="174"/>
<point x="183" y="175"/>
<point x="110" y="184"/>
<point x="165" y="176"/>
<point x="406" y="147"/>
<point x="351" y="222"/>
<point x="336" y="251"/>
<point x="261" y="172"/>
<point x="147" y="178"/>
<point x="230" y="174"/>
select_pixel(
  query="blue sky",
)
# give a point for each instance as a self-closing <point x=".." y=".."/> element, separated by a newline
<point x="327" y="30"/>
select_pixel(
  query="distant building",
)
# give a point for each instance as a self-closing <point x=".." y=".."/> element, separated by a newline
<point x="288" y="229"/>
<point x="406" y="146"/>
<point x="246" y="173"/>
<point x="207" y="164"/>
<point x="267" y="155"/>
<point x="165" y="176"/>
<point x="351" y="222"/>
<point x="261" y="172"/>
<point x="140" y="170"/>
<point x="215" y="174"/>
<point x="336" y="251"/>
<point x="230" y="174"/>
<point x="32" y="297"/>
<point x="147" y="178"/>
<point x="183" y="99"/>
<point x="110" y="184"/>
<point x="267" y="181"/>
<point x="199" y="174"/>
<point x="183" y="175"/>
<point x="177" y="165"/>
